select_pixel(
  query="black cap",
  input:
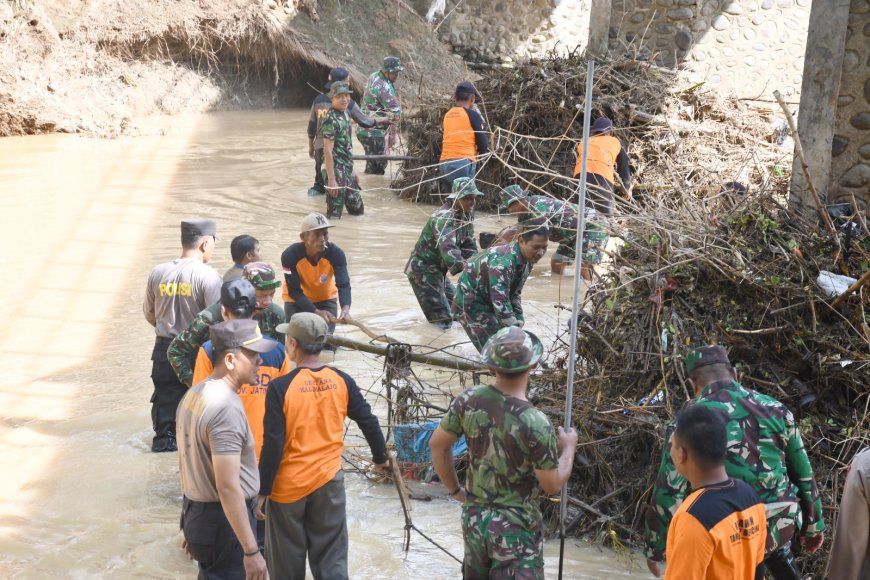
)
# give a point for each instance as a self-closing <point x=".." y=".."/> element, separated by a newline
<point x="339" y="73"/>
<point x="467" y="87"/>
<point x="601" y="125"/>
<point x="244" y="333"/>
<point x="196" y="227"/>
<point x="239" y="297"/>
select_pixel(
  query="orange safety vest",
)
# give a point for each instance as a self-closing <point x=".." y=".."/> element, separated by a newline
<point x="603" y="151"/>
<point x="459" y="142"/>
<point x="315" y="407"/>
<point x="318" y="281"/>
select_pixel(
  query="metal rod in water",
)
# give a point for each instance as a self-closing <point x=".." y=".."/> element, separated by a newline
<point x="575" y="304"/>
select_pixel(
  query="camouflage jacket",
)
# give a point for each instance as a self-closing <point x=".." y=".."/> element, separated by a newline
<point x="561" y="216"/>
<point x="446" y="242"/>
<point x="494" y="281"/>
<point x="379" y="100"/>
<point x="336" y="127"/>
<point x="765" y="450"/>
<point x="508" y="439"/>
<point x="184" y="347"/>
<point x="321" y="106"/>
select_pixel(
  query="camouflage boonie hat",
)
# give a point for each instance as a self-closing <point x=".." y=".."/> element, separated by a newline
<point x="463" y="186"/>
<point x="261" y="275"/>
<point x="339" y="88"/>
<point x="512" y="350"/>
<point x="392" y="64"/>
<point x="706" y="355"/>
<point x="510" y="194"/>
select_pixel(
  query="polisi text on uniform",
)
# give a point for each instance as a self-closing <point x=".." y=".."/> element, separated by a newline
<point x="176" y="289"/>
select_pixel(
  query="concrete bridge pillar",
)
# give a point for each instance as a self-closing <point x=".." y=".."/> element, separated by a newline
<point x="823" y="67"/>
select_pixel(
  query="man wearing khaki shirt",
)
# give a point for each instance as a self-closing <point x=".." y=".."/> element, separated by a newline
<point x="217" y="461"/>
<point x="850" y="559"/>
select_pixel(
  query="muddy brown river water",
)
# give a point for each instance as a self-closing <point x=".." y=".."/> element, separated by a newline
<point x="83" y="222"/>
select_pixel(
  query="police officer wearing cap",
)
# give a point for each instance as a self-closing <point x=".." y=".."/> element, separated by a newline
<point x="380" y="100"/>
<point x="319" y="107"/>
<point x="176" y="291"/>
<point x="765" y="450"/>
<point x="217" y="460"/>
<point x="316" y="278"/>
<point x="465" y="137"/>
<point x="512" y="450"/>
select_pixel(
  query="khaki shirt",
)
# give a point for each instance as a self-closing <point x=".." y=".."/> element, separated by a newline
<point x="849" y="552"/>
<point x="176" y="292"/>
<point x="211" y="421"/>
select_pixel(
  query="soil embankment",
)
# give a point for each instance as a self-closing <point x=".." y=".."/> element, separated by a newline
<point x="96" y="66"/>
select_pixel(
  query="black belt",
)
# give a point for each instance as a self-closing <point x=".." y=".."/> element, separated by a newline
<point x="163" y="340"/>
<point x="216" y="505"/>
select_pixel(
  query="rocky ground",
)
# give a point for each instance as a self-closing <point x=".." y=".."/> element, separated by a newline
<point x="95" y="66"/>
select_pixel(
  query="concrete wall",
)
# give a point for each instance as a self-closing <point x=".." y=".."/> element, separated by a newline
<point x="502" y="30"/>
<point x="850" y="164"/>
<point x="749" y="47"/>
<point x="744" y="47"/>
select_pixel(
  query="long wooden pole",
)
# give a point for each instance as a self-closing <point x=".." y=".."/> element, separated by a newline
<point x="429" y="359"/>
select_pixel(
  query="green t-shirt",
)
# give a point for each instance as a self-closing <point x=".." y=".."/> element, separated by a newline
<point x="508" y="439"/>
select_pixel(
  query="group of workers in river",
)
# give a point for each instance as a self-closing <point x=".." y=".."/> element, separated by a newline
<point x="258" y="420"/>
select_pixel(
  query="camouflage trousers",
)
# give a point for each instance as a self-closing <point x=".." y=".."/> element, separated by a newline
<point x="595" y="239"/>
<point x="479" y="322"/>
<point x="373" y="143"/>
<point x="433" y="290"/>
<point x="782" y="525"/>
<point x="496" y="547"/>
<point x="348" y="194"/>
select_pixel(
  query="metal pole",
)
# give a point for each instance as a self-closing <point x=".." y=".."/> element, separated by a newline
<point x="575" y="304"/>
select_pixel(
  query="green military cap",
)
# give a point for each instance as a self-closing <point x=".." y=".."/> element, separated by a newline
<point x="512" y="350"/>
<point x="305" y="327"/>
<point x="339" y="88"/>
<point x="706" y="355"/>
<point x="196" y="227"/>
<point x="261" y="275"/>
<point x="512" y="193"/>
<point x="463" y="186"/>
<point x="392" y="64"/>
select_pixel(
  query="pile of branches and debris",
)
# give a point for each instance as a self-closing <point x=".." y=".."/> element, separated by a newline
<point x="788" y="298"/>
<point x="696" y="263"/>
<point x="676" y="136"/>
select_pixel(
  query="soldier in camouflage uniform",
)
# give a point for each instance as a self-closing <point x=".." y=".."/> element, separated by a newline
<point x="446" y="242"/>
<point x="512" y="448"/>
<point x="183" y="348"/>
<point x="765" y="450"/>
<point x="319" y="108"/>
<point x="488" y="294"/>
<point x="561" y="218"/>
<point x="342" y="187"/>
<point x="379" y="99"/>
